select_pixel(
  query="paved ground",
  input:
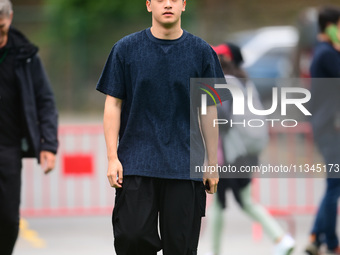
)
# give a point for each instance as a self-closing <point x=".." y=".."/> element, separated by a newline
<point x="93" y="235"/>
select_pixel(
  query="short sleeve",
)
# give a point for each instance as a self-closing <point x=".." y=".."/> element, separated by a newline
<point x="213" y="71"/>
<point x="212" y="67"/>
<point x="111" y="81"/>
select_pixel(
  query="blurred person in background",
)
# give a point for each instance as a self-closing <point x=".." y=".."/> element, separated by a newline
<point x="325" y="120"/>
<point x="242" y="148"/>
<point x="28" y="120"/>
<point x="146" y="80"/>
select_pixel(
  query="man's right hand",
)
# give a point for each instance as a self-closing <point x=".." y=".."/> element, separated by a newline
<point x="115" y="173"/>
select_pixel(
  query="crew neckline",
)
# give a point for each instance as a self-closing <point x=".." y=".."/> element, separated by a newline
<point x="165" y="41"/>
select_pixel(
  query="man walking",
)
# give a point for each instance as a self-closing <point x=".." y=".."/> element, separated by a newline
<point x="147" y="82"/>
<point x="28" y="120"/>
<point x="325" y="107"/>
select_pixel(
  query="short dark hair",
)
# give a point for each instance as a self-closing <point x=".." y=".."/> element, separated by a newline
<point x="328" y="14"/>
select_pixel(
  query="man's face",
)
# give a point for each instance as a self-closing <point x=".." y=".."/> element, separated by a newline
<point x="166" y="12"/>
<point x="5" y="22"/>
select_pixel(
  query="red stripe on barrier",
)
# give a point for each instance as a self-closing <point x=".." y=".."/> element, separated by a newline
<point x="77" y="164"/>
<point x="54" y="212"/>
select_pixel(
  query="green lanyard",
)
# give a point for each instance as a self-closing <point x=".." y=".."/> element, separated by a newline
<point x="3" y="56"/>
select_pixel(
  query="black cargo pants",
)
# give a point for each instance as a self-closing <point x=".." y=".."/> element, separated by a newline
<point x="143" y="202"/>
<point x="10" y="184"/>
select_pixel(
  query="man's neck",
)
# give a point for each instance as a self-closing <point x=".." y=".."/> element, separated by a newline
<point x="325" y="38"/>
<point x="164" y="33"/>
<point x="322" y="37"/>
<point x="4" y="42"/>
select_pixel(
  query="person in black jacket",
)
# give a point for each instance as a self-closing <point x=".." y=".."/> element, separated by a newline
<point x="28" y="120"/>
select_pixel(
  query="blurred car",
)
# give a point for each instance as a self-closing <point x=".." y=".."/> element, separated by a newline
<point x="268" y="54"/>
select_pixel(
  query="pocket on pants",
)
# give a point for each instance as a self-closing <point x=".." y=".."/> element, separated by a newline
<point x="119" y="198"/>
<point x="201" y="198"/>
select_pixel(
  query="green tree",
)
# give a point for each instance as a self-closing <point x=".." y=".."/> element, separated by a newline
<point x="81" y="33"/>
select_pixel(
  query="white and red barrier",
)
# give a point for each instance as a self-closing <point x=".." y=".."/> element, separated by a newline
<point x="79" y="184"/>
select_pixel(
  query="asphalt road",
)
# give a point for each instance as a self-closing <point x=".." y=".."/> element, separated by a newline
<point x="93" y="235"/>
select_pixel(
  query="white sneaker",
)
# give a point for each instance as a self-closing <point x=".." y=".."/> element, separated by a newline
<point x="285" y="246"/>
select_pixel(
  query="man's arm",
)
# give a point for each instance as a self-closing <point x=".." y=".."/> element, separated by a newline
<point x="112" y="112"/>
<point x="47" y="115"/>
<point x="210" y="136"/>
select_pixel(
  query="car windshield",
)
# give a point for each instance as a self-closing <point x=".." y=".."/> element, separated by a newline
<point x="242" y="38"/>
<point x="272" y="64"/>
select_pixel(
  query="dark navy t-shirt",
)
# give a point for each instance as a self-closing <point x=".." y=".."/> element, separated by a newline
<point x="325" y="89"/>
<point x="152" y="76"/>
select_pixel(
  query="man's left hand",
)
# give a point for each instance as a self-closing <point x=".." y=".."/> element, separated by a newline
<point x="211" y="180"/>
<point x="47" y="161"/>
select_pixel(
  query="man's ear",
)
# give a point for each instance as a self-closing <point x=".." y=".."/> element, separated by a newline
<point x="184" y="5"/>
<point x="11" y="17"/>
<point x="148" y="3"/>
